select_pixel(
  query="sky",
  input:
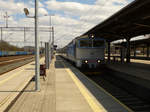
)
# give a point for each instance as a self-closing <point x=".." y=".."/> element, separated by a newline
<point x="70" y="18"/>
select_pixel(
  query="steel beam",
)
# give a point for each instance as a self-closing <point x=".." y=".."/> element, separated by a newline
<point x="148" y="50"/>
<point x="128" y="50"/>
<point x="108" y="51"/>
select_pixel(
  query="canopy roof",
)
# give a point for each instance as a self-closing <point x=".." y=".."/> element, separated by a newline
<point x="133" y="20"/>
<point x="142" y="41"/>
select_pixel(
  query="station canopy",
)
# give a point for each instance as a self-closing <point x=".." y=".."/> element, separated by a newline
<point x="145" y="41"/>
<point x="138" y="43"/>
<point x="131" y="21"/>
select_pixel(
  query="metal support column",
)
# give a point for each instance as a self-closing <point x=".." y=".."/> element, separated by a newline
<point x="128" y="50"/>
<point x="47" y="59"/>
<point x="147" y="50"/>
<point x="24" y="34"/>
<point x="108" y="51"/>
<point x="24" y="37"/>
<point x="53" y="35"/>
<point x="37" y="62"/>
<point x="41" y="49"/>
<point x="1" y="34"/>
<point x="143" y="50"/>
<point x="134" y="50"/>
<point x="121" y="54"/>
<point x="52" y="46"/>
<point x="50" y="53"/>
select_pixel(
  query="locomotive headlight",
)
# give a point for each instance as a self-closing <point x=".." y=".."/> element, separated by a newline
<point x="86" y="61"/>
<point x="99" y="61"/>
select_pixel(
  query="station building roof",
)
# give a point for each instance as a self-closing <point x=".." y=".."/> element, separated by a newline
<point x="139" y="43"/>
<point x="133" y="20"/>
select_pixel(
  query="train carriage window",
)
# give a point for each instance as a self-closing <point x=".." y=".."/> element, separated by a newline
<point x="98" y="43"/>
<point x="85" y="43"/>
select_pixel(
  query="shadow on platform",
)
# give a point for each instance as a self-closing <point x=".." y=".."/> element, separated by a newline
<point x="24" y="89"/>
<point x="99" y="94"/>
<point x="19" y="91"/>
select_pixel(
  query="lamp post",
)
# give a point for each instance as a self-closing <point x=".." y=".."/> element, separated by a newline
<point x="37" y="62"/>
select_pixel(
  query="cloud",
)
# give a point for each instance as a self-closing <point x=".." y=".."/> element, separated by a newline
<point x="82" y="17"/>
<point x="71" y="18"/>
<point x="11" y="7"/>
<point x="101" y="7"/>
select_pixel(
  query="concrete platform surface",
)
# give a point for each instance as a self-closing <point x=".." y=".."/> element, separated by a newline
<point x="65" y="91"/>
<point x="13" y="82"/>
<point x="137" y="68"/>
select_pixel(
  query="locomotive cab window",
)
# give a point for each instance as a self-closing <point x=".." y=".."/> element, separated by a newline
<point x="85" y="43"/>
<point x="91" y="43"/>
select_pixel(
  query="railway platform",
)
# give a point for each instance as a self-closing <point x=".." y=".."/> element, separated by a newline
<point x="137" y="71"/>
<point x="13" y="82"/>
<point x="66" y="89"/>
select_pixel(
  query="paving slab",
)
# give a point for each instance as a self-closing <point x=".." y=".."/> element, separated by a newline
<point x="64" y="90"/>
<point x="13" y="82"/>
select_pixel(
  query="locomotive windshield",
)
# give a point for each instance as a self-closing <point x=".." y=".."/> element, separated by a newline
<point x="85" y="43"/>
<point x="91" y="43"/>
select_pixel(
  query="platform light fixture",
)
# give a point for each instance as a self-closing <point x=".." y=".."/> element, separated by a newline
<point x="92" y="36"/>
<point x="26" y="11"/>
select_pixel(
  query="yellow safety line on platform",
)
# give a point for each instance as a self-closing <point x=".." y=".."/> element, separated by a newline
<point x="110" y="95"/>
<point x="89" y="99"/>
<point x="107" y="93"/>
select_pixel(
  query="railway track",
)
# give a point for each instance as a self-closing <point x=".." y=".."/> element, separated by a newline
<point x="111" y="84"/>
<point x="132" y="101"/>
<point x="11" y="64"/>
<point x="14" y="60"/>
<point x="6" y="58"/>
